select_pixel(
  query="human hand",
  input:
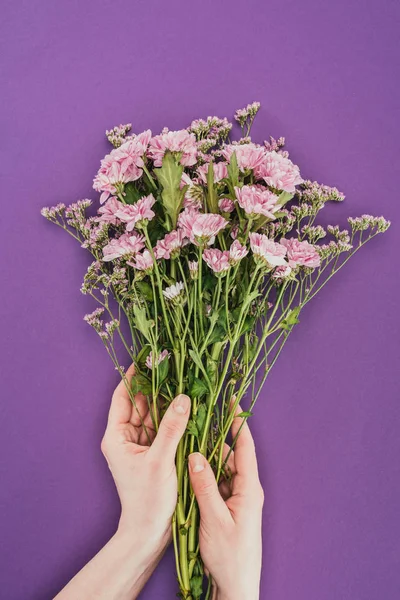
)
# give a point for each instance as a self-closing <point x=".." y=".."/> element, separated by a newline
<point x="146" y="481"/>
<point x="230" y="518"/>
<point x="144" y="474"/>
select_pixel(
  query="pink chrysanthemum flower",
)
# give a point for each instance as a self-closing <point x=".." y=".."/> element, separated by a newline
<point x="143" y="262"/>
<point x="122" y="165"/>
<point x="170" y="245"/>
<point x="173" y="292"/>
<point x="123" y="246"/>
<point x="191" y="200"/>
<point x="220" y="172"/>
<point x="108" y="211"/>
<point x="137" y="214"/>
<point x="201" y="228"/>
<point x="237" y="252"/>
<point x="282" y="272"/>
<point x="301" y="253"/>
<point x="217" y="260"/>
<point x="257" y="200"/>
<point x="194" y="269"/>
<point x="279" y="172"/>
<point x="270" y="252"/>
<point x="226" y="205"/>
<point x="162" y="356"/>
<point x="248" y="156"/>
<point x="181" y="142"/>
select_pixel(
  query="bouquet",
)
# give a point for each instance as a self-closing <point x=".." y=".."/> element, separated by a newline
<point x="209" y="250"/>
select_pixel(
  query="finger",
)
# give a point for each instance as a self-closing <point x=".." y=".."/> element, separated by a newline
<point x="212" y="507"/>
<point x="121" y="404"/>
<point x="172" y="428"/>
<point x="245" y="453"/>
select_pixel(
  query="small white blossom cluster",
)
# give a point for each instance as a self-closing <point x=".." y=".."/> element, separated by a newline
<point x="117" y="135"/>
<point x="243" y="115"/>
<point x="368" y="221"/>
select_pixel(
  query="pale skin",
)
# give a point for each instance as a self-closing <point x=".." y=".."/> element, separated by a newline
<point x="145" y="477"/>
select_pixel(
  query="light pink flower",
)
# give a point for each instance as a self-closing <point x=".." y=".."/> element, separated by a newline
<point x="279" y="172"/>
<point x="269" y="251"/>
<point x="193" y="269"/>
<point x="170" y="245"/>
<point x="220" y="172"/>
<point x="108" y="211"/>
<point x="237" y="252"/>
<point x="190" y="200"/>
<point x="301" y="253"/>
<point x="122" y="165"/>
<point x="248" y="156"/>
<point x="143" y="262"/>
<point x="217" y="260"/>
<point x="201" y="228"/>
<point x="282" y="272"/>
<point x="124" y="245"/>
<point x="173" y="291"/>
<point x="257" y="200"/>
<point x="138" y="213"/>
<point x="175" y="141"/>
<point x="162" y="356"/>
<point x="226" y="205"/>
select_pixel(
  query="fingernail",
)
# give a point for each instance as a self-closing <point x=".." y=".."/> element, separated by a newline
<point x="181" y="404"/>
<point x="196" y="462"/>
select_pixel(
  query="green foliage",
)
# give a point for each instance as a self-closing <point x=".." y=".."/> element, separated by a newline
<point x="163" y="369"/>
<point x="143" y="324"/>
<point x="284" y="197"/>
<point x="131" y="194"/>
<point x="291" y="319"/>
<point x="196" y="586"/>
<point x="169" y="176"/>
<point x="212" y="198"/>
<point x="141" y="383"/>
<point x="198" y="388"/>
<point x="233" y="170"/>
<point x="145" y="289"/>
<point x="245" y="414"/>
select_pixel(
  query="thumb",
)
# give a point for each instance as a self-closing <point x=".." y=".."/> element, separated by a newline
<point x="212" y="507"/>
<point x="172" y="428"/>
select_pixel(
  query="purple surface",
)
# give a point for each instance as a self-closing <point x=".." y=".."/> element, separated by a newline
<point x="327" y="426"/>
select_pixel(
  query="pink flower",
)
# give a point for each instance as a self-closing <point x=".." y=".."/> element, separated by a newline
<point x="194" y="269"/>
<point x="170" y="245"/>
<point x="301" y="253"/>
<point x="201" y="228"/>
<point x="190" y="200"/>
<point x="162" y="356"/>
<point x="220" y="172"/>
<point x="108" y="211"/>
<point x="267" y="250"/>
<point x="282" y="272"/>
<point x="237" y="252"/>
<point x="217" y="260"/>
<point x="279" y="172"/>
<point x="257" y="200"/>
<point x="122" y="165"/>
<point x="143" y="262"/>
<point x="173" y="292"/>
<point x="226" y="205"/>
<point x="175" y="141"/>
<point x="122" y="246"/>
<point x="139" y="213"/>
<point x="248" y="156"/>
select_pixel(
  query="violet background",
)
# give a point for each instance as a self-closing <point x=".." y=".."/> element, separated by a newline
<point x="327" y="424"/>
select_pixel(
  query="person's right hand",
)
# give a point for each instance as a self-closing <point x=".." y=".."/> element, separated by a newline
<point x="230" y="530"/>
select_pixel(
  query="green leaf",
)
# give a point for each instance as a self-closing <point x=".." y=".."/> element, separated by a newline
<point x="212" y="199"/>
<point x="141" y="383"/>
<point x="131" y="194"/>
<point x="291" y="319"/>
<point x="142" y="323"/>
<point x="197" y="361"/>
<point x="233" y="170"/>
<point x="169" y="176"/>
<point x="201" y="417"/>
<point x="143" y="354"/>
<point x="163" y="369"/>
<point x="245" y="413"/>
<point x="198" y="388"/>
<point x="192" y="428"/>
<point x="284" y="197"/>
<point x="145" y="289"/>
<point x="196" y="586"/>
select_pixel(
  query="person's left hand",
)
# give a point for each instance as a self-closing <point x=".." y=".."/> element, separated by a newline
<point x="144" y="474"/>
